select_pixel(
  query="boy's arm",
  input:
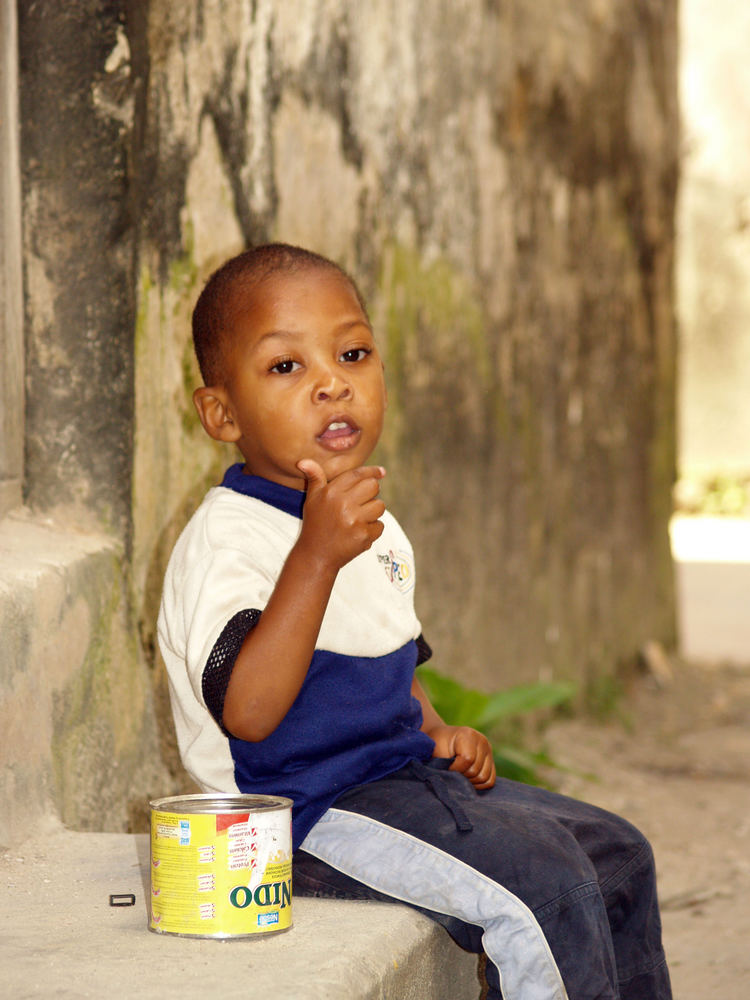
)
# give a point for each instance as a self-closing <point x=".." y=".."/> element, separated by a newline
<point x="340" y="520"/>
<point x="470" y="749"/>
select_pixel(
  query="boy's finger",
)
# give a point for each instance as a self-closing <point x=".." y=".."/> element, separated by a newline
<point x="373" y="510"/>
<point x="486" y="777"/>
<point x="360" y="476"/>
<point x="313" y="473"/>
<point x="461" y="763"/>
<point x="464" y="744"/>
<point x="366" y="472"/>
<point x="362" y="490"/>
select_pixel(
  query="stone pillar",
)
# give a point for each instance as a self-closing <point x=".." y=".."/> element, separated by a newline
<point x="76" y="114"/>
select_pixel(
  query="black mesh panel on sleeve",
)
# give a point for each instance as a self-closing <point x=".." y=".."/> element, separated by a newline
<point x="424" y="650"/>
<point x="218" y="669"/>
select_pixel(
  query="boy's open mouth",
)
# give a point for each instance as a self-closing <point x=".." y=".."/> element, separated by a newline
<point x="339" y="434"/>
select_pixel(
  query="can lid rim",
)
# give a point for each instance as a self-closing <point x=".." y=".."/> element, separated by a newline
<point x="218" y="802"/>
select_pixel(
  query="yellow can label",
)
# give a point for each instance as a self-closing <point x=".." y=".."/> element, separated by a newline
<point x="221" y="875"/>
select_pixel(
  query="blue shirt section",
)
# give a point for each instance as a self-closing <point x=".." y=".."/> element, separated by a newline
<point x="353" y="721"/>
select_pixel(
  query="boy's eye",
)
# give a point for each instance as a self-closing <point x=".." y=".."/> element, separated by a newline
<point x="355" y="354"/>
<point x="285" y="366"/>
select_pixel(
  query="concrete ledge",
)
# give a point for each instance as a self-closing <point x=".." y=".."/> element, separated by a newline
<point x="76" y="703"/>
<point x="47" y="624"/>
<point x="60" y="937"/>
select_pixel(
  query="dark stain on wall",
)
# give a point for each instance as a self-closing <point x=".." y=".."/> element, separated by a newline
<point x="79" y="232"/>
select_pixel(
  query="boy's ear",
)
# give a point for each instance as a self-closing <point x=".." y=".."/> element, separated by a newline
<point x="215" y="414"/>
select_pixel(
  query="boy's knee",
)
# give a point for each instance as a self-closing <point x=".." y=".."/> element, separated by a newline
<point x="615" y="847"/>
<point x="632" y="849"/>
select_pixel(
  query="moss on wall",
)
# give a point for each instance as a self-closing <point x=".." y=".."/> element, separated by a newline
<point x="106" y="759"/>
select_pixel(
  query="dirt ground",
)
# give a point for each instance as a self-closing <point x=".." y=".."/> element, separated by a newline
<point x="676" y="762"/>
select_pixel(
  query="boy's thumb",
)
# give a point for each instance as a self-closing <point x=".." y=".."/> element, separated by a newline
<point x="313" y="473"/>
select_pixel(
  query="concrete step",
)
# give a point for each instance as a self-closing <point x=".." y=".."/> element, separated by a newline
<point x="59" y="937"/>
<point x="712" y="575"/>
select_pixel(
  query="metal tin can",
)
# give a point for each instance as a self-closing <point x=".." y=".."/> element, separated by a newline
<point x="221" y="865"/>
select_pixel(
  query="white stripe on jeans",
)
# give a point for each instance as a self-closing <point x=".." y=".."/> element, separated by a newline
<point x="410" y="870"/>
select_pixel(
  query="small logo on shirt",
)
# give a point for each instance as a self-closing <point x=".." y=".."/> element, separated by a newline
<point x="398" y="570"/>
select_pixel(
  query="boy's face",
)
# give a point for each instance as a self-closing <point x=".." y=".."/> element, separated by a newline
<point x="305" y="380"/>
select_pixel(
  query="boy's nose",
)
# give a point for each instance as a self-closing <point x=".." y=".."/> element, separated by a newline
<point x="330" y="385"/>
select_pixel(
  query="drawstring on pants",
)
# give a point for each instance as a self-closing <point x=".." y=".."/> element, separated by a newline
<point x="442" y="791"/>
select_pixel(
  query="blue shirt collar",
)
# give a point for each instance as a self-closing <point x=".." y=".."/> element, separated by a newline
<point x="282" y="497"/>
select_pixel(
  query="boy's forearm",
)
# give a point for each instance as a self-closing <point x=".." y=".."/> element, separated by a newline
<point x="274" y="659"/>
<point x="340" y="521"/>
<point x="430" y="718"/>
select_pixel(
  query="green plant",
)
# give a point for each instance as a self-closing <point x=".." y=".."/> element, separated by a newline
<point x="720" y="495"/>
<point x="503" y="717"/>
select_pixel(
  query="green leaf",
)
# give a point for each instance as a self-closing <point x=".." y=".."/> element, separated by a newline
<point x="456" y="704"/>
<point x="462" y="706"/>
<point x="523" y="700"/>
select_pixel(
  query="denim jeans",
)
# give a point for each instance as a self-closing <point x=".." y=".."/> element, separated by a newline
<point x="561" y="895"/>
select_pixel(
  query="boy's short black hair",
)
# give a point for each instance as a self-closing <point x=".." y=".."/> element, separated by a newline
<point x="226" y="296"/>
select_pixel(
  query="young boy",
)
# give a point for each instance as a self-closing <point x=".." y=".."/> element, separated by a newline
<point x="288" y="629"/>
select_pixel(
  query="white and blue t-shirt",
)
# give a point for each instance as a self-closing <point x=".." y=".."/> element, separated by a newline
<point x="354" y="719"/>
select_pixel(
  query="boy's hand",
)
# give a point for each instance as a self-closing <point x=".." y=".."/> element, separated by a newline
<point x="341" y="517"/>
<point x="472" y="752"/>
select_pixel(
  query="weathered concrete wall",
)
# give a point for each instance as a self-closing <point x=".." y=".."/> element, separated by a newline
<point x="501" y="179"/>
